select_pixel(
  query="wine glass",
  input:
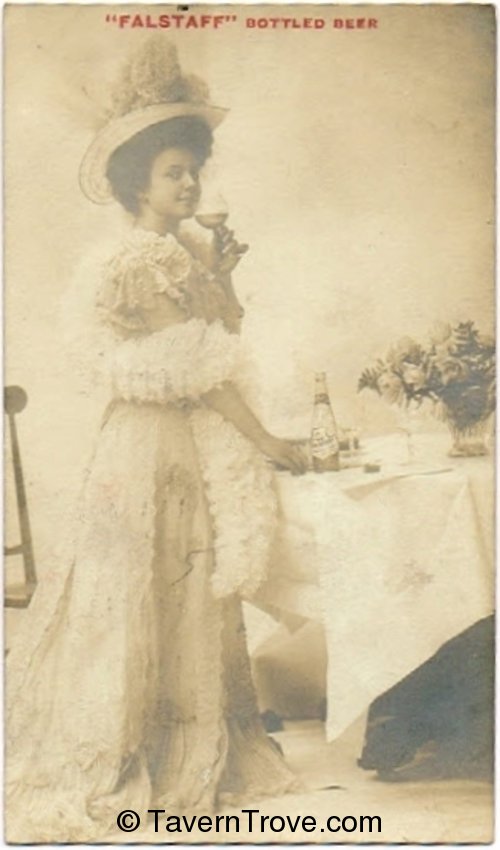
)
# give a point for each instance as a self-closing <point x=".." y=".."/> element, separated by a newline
<point x="212" y="214"/>
<point x="212" y="211"/>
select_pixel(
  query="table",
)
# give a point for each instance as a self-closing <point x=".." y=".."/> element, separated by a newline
<point x="393" y="564"/>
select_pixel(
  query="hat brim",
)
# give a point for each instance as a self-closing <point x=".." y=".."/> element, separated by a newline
<point x="93" y="181"/>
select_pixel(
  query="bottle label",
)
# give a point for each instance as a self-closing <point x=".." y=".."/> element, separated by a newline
<point x="323" y="443"/>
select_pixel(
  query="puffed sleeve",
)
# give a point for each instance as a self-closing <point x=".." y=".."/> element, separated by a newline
<point x="180" y="360"/>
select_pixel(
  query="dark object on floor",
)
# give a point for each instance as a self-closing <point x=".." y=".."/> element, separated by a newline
<point x="272" y="722"/>
<point x="437" y="723"/>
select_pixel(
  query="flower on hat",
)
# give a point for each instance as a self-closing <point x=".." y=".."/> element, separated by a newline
<point x="152" y="75"/>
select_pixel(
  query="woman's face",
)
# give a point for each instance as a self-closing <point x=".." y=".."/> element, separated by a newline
<point x="174" y="187"/>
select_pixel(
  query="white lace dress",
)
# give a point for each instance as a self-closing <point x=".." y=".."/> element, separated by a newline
<point x="129" y="684"/>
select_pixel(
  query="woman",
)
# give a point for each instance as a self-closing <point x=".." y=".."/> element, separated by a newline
<point x="130" y="684"/>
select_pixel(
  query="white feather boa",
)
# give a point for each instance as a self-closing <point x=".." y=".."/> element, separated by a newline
<point x="241" y="500"/>
<point x="177" y="364"/>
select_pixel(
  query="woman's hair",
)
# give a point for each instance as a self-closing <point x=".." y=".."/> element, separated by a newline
<point x="129" y="167"/>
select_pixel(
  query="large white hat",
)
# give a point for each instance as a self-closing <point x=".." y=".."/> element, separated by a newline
<point x="151" y="88"/>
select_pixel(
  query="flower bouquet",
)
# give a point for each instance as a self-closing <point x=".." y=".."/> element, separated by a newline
<point x="454" y="371"/>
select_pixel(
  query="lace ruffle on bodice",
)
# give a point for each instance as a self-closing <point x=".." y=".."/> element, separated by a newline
<point x="148" y="275"/>
<point x="146" y="265"/>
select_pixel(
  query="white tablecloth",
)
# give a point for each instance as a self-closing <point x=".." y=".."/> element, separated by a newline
<point x="393" y="564"/>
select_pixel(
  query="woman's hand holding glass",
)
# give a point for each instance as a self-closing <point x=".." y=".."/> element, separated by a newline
<point x="227" y="251"/>
<point x="212" y="214"/>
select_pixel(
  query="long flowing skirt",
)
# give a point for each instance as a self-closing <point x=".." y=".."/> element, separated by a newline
<point x="129" y="683"/>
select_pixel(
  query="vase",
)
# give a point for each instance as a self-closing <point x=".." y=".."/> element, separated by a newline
<point x="472" y="441"/>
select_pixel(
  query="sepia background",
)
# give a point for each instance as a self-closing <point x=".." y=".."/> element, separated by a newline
<point x="358" y="165"/>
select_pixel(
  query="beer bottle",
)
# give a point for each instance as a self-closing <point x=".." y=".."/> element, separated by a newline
<point x="324" y="439"/>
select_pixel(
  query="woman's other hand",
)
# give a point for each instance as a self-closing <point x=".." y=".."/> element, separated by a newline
<point x="227" y="251"/>
<point x="227" y="401"/>
<point x="286" y="454"/>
